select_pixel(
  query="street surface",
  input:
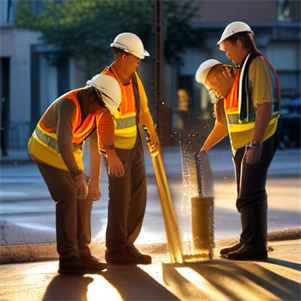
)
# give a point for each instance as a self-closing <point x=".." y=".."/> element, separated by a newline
<point x="27" y="212"/>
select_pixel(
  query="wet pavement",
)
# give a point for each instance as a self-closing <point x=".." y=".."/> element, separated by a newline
<point x="28" y="236"/>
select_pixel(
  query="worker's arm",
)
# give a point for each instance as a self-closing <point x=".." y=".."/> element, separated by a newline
<point x="105" y="131"/>
<point x="219" y="132"/>
<point x="145" y="116"/>
<point x="263" y="116"/>
<point x="66" y="115"/>
<point x="95" y="167"/>
<point x="262" y="97"/>
<point x="147" y="120"/>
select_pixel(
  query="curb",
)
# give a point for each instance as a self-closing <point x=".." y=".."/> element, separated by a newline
<point x="44" y="252"/>
<point x="27" y="253"/>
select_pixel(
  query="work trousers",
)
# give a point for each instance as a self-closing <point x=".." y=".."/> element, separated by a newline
<point x="73" y="216"/>
<point x="127" y="200"/>
<point x="251" y="179"/>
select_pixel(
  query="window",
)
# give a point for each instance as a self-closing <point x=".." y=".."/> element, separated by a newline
<point x="7" y="10"/>
<point x="284" y="11"/>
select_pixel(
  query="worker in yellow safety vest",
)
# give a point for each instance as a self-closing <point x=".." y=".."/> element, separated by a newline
<point x="127" y="195"/>
<point x="56" y="146"/>
<point x="246" y="101"/>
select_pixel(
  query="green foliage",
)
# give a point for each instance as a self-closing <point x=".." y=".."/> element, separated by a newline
<point x="86" y="28"/>
<point x="179" y="34"/>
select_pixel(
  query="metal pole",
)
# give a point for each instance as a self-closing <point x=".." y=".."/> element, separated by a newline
<point x="158" y="30"/>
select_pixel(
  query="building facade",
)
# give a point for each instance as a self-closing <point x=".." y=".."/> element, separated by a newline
<point x="29" y="84"/>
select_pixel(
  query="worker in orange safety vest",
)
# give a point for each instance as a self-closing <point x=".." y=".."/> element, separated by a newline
<point x="56" y="146"/>
<point x="127" y="195"/>
<point x="247" y="106"/>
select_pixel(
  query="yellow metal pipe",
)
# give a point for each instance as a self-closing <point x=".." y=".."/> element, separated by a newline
<point x="170" y="219"/>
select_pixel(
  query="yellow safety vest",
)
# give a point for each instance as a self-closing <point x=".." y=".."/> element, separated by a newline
<point x="241" y="131"/>
<point x="43" y="145"/>
<point x="133" y="101"/>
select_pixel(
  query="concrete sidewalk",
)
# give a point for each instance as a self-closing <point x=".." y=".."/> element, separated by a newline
<point x="277" y="278"/>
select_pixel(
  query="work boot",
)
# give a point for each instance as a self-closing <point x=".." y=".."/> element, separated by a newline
<point x="93" y="263"/>
<point x="72" y="266"/>
<point x="232" y="248"/>
<point x="137" y="256"/>
<point x="254" y="233"/>
<point x="249" y="252"/>
<point x="118" y="257"/>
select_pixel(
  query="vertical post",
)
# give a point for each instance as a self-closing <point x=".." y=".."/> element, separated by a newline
<point x="202" y="211"/>
<point x="158" y="30"/>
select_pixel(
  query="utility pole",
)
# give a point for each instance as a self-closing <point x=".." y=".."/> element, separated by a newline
<point x="158" y="31"/>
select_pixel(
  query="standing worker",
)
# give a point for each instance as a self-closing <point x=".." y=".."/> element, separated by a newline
<point x="56" y="147"/>
<point x="127" y="195"/>
<point x="248" y="109"/>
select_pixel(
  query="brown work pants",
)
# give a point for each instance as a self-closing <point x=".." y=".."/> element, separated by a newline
<point x="73" y="216"/>
<point x="127" y="200"/>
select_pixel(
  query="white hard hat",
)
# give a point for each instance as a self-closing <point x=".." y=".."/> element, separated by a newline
<point x="109" y="90"/>
<point x="234" y="28"/>
<point x="204" y="69"/>
<point x="130" y="43"/>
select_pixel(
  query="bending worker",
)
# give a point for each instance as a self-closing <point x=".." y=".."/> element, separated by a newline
<point x="248" y="109"/>
<point x="56" y="147"/>
<point x="127" y="195"/>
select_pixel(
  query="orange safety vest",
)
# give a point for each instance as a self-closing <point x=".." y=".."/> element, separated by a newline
<point x="126" y="117"/>
<point x="43" y="144"/>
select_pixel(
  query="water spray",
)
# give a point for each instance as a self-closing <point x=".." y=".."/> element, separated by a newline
<point x="198" y="189"/>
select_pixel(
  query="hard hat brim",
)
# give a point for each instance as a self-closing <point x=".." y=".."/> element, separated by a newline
<point x="204" y="69"/>
<point x="108" y="103"/>
<point x="229" y="35"/>
<point x="141" y="55"/>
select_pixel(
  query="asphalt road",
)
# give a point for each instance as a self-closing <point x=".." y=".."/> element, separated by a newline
<point x="27" y="210"/>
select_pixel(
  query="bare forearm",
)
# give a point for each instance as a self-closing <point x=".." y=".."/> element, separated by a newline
<point x="219" y="132"/>
<point x="68" y="158"/>
<point x="95" y="158"/>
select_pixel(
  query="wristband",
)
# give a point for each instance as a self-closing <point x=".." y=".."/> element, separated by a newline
<point x="253" y="144"/>
<point x="76" y="173"/>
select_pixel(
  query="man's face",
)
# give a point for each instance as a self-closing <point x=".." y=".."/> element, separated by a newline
<point x="131" y="63"/>
<point x="233" y="51"/>
<point x="219" y="80"/>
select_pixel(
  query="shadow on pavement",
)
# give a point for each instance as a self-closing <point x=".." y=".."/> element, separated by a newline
<point x="132" y="283"/>
<point x="223" y="280"/>
<point x="68" y="287"/>
<point x="287" y="264"/>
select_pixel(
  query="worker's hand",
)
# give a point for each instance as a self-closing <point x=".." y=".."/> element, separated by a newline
<point x="115" y="166"/>
<point x="153" y="137"/>
<point x="81" y="186"/>
<point x="94" y="189"/>
<point x="254" y="154"/>
<point x="203" y="150"/>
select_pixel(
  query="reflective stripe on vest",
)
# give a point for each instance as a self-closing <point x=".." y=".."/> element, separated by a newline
<point x="46" y="139"/>
<point x="233" y="118"/>
<point x="125" y="123"/>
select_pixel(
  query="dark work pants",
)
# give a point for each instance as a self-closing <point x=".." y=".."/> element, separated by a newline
<point x="73" y="216"/>
<point x="127" y="200"/>
<point x="251" y="179"/>
<point x="251" y="194"/>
